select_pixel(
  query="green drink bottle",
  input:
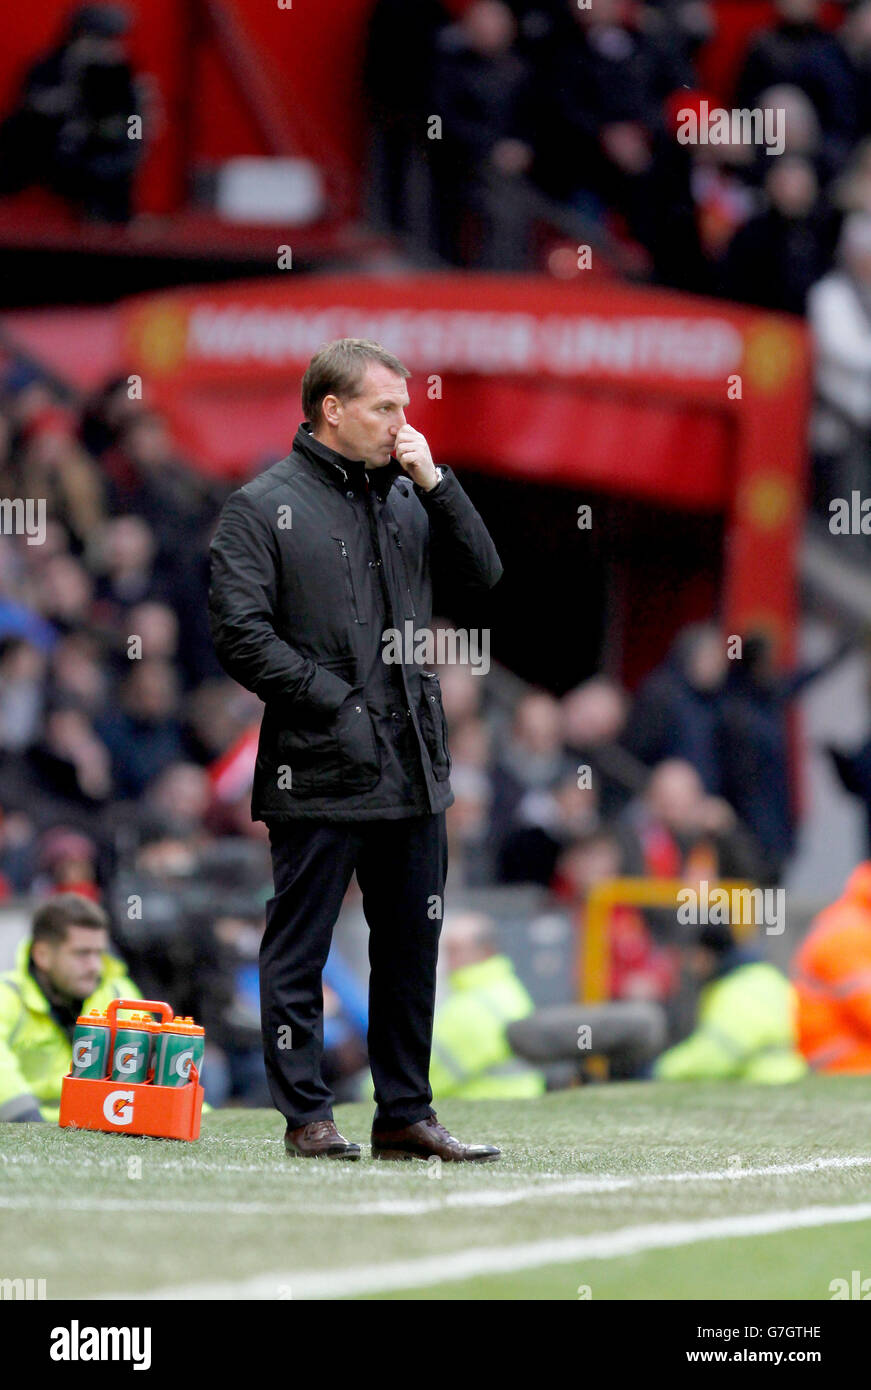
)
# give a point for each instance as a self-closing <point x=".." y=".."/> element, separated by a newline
<point x="180" y="1044"/>
<point x="131" y="1055"/>
<point x="91" y="1046"/>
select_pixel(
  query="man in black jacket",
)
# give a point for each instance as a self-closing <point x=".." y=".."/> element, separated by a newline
<point x="312" y="563"/>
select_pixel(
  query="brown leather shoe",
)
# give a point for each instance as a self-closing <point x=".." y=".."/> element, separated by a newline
<point x="319" y="1139"/>
<point x="429" y="1139"/>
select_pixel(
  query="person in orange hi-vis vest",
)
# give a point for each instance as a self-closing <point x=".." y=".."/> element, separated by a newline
<point x="832" y="974"/>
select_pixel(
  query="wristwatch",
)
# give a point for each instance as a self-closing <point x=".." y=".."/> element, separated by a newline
<point x="439" y="476"/>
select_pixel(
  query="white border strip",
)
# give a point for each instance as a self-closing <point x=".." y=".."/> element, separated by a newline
<point x="504" y="1259"/>
<point x="545" y="1188"/>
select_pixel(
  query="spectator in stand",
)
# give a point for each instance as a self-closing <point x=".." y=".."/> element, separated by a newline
<point x="156" y="625"/>
<point x="682" y="27"/>
<point x="544" y="822"/>
<point x="854" y="37"/>
<point x="481" y="91"/>
<point x="722" y="195"/>
<point x="219" y="712"/>
<point x="17" y="852"/>
<point x="22" y="677"/>
<point x="147" y="477"/>
<point x="67" y="863"/>
<point x="125" y="551"/>
<point x="397" y="76"/>
<point x="65" y="593"/>
<point x="802" y="134"/>
<point x="676" y="710"/>
<point x="532" y="759"/>
<point x="462" y="692"/>
<point x="680" y="832"/>
<point x="593" y="730"/>
<point x="145" y="735"/>
<point x="797" y="50"/>
<point x="602" y="141"/>
<point x="53" y="465"/>
<point x="778" y="255"/>
<point x="470" y="848"/>
<point x="183" y="793"/>
<point x="78" y="675"/>
<point x="107" y="414"/>
<point x="472" y="744"/>
<point x="26" y="394"/>
<point x="852" y="191"/>
<point x="181" y="509"/>
<point x="638" y="967"/>
<point x="70" y="129"/>
<point x="839" y="309"/>
<point x="754" y="744"/>
<point x="65" y="774"/>
<point x="469" y="820"/>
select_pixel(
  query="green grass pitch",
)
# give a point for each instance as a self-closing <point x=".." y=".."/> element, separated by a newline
<point x="630" y="1191"/>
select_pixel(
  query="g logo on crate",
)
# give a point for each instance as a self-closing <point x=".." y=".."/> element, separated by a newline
<point x="181" y="1063"/>
<point x="83" y="1052"/>
<point x="127" y="1057"/>
<point x="118" y="1107"/>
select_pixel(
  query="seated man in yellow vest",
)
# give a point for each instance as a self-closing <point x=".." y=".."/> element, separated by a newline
<point x="61" y="970"/>
<point x="471" y="1056"/>
<point x="747" y="1019"/>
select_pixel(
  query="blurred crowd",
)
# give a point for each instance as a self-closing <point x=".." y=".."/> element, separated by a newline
<point x="544" y="104"/>
<point x="115" y="717"/>
<point x="506" y="133"/>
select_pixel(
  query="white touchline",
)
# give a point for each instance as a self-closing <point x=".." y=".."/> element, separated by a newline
<point x="506" y="1259"/>
<point x="589" y="1186"/>
<point x="546" y="1188"/>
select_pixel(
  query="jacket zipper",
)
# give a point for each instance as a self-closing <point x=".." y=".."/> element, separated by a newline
<point x="438" y="723"/>
<point x="347" y="559"/>
<point x="391" y="622"/>
<point x="405" y="572"/>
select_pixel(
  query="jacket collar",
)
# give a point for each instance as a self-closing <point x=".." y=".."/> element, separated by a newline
<point x="342" y="472"/>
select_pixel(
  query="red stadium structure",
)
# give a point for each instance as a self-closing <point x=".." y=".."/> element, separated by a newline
<point x="515" y="377"/>
<point x="234" y="77"/>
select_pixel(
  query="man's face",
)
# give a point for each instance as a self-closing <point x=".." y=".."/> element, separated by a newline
<point x="73" y="966"/>
<point x="365" y="427"/>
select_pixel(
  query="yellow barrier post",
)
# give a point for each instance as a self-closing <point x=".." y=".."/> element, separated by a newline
<point x="595" y="936"/>
<point x="629" y="892"/>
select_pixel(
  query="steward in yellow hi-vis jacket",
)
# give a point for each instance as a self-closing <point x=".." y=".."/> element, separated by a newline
<point x="61" y="970"/>
<point x="747" y="1021"/>
<point x="471" y="1055"/>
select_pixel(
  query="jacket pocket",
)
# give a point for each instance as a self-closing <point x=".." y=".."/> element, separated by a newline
<point x="350" y="580"/>
<point x="355" y="736"/>
<point x="433" y="725"/>
<point x="335" y="756"/>
<point x="309" y="761"/>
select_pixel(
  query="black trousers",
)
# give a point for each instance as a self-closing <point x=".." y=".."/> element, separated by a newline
<point x="401" y="867"/>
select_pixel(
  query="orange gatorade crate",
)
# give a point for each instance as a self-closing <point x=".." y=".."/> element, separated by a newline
<point x="141" y="1107"/>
